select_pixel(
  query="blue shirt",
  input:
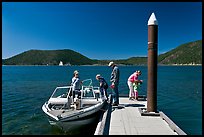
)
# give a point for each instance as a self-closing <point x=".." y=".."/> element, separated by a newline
<point x="103" y="83"/>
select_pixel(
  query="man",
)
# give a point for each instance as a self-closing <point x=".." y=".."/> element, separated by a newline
<point x="114" y="82"/>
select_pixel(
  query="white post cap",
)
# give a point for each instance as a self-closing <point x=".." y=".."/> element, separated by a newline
<point x="152" y="20"/>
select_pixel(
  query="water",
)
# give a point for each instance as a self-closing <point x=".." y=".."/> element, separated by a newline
<point x="26" y="88"/>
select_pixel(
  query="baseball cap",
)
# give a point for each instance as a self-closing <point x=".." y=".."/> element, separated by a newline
<point x="76" y="72"/>
<point x="110" y="63"/>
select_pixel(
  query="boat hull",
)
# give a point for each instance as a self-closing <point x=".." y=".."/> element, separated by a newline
<point x="78" y="120"/>
<point x="75" y="124"/>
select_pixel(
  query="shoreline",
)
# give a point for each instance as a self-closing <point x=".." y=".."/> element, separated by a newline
<point x="107" y="65"/>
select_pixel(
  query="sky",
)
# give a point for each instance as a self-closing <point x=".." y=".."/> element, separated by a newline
<point x="98" y="30"/>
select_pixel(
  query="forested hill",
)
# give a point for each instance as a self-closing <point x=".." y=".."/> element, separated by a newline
<point x="48" y="57"/>
<point x="184" y="54"/>
<point x="188" y="53"/>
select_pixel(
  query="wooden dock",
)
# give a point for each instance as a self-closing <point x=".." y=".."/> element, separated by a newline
<point x="129" y="119"/>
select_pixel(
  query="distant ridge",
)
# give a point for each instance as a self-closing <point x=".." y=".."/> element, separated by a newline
<point x="184" y="54"/>
<point x="48" y="57"/>
<point x="188" y="53"/>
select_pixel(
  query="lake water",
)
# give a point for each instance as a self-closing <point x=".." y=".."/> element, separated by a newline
<point x="26" y="88"/>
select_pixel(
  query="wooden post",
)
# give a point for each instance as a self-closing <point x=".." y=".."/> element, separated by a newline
<point x="152" y="64"/>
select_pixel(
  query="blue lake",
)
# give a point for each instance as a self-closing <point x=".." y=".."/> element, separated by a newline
<point x="26" y="88"/>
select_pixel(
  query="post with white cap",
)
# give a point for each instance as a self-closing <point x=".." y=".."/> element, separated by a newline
<point x="152" y="64"/>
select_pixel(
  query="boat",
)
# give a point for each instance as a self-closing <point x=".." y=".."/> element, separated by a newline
<point x="69" y="114"/>
<point x="61" y="63"/>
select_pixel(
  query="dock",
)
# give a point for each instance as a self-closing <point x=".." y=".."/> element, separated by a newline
<point x="140" y="117"/>
<point x="129" y="119"/>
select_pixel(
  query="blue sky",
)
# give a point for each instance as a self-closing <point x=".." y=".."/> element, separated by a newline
<point x="98" y="30"/>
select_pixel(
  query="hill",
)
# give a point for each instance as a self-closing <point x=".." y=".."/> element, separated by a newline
<point x="48" y="57"/>
<point x="188" y="53"/>
<point x="184" y="54"/>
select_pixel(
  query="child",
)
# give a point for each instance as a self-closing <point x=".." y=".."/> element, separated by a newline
<point x="136" y="87"/>
<point x="103" y="86"/>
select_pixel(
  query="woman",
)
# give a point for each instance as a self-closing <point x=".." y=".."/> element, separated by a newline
<point x="76" y="83"/>
<point x="133" y="78"/>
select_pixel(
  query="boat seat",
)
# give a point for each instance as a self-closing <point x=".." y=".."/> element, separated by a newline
<point x="86" y="102"/>
<point x="58" y="100"/>
<point x="63" y="102"/>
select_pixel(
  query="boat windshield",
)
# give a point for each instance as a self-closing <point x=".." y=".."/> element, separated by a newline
<point x="87" y="82"/>
<point x="87" y="90"/>
<point x="61" y="92"/>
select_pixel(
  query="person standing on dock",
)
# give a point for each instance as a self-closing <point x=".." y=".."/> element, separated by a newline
<point x="133" y="78"/>
<point x="115" y="75"/>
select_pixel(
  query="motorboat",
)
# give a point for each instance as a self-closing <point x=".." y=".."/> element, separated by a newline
<point x="68" y="113"/>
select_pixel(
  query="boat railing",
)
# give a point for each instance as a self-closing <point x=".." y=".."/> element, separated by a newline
<point x="70" y="92"/>
<point x="64" y="95"/>
<point x="88" y="84"/>
<point x="85" y="83"/>
<point x="89" y="92"/>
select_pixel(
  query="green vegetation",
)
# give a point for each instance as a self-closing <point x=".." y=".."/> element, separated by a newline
<point x="48" y="57"/>
<point x="184" y="54"/>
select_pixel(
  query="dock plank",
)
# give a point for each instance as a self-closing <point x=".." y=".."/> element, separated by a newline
<point x="128" y="120"/>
